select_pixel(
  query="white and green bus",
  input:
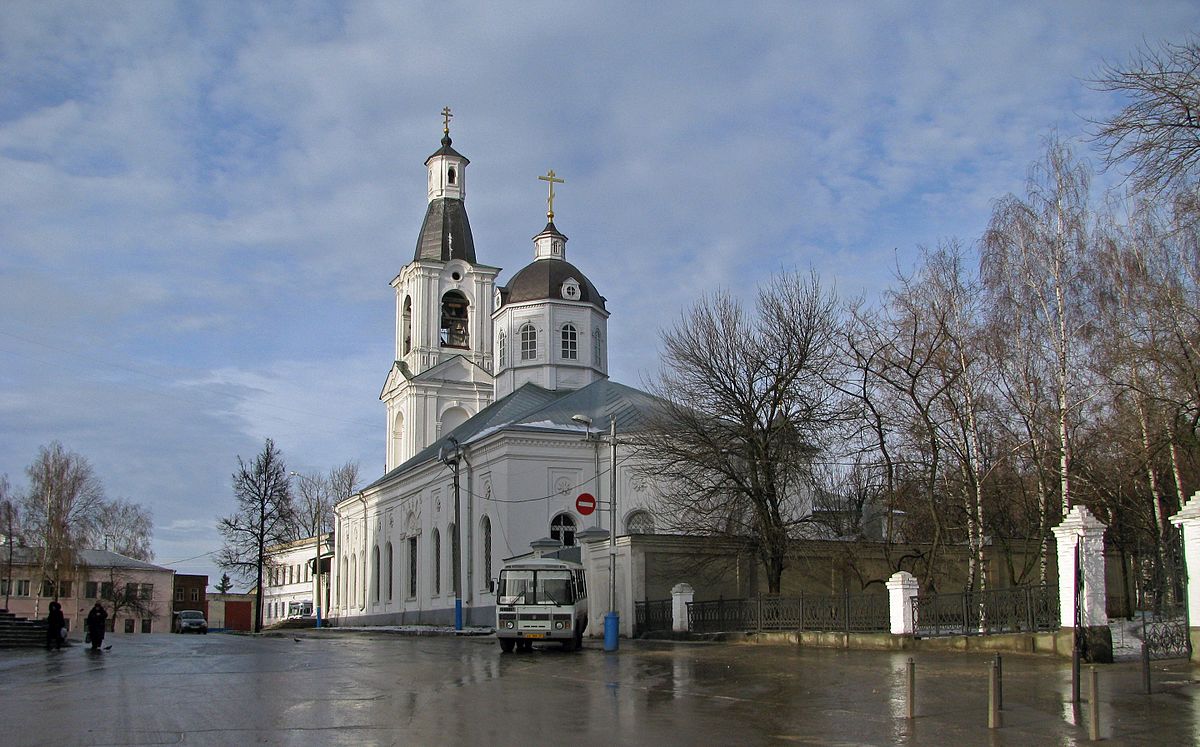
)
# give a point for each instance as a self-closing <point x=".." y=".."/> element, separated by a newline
<point x="541" y="599"/>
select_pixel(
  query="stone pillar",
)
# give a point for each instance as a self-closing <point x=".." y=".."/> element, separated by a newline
<point x="1080" y="529"/>
<point x="1188" y="521"/>
<point x="902" y="587"/>
<point x="681" y="597"/>
<point x="594" y="544"/>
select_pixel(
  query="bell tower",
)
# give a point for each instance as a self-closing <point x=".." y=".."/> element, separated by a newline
<point x="443" y="338"/>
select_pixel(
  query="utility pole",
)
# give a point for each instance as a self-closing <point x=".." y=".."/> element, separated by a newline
<point x="451" y="459"/>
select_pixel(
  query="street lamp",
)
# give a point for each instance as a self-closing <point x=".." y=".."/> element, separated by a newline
<point x="612" y="620"/>
<point x="451" y="453"/>
<point x="317" y="565"/>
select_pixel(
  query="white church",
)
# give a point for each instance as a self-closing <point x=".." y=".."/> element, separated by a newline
<point x="505" y="387"/>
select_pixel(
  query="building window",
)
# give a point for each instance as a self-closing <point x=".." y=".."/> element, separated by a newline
<point x="353" y="591"/>
<point x="407" y="324"/>
<point x="106" y="590"/>
<point x="487" y="552"/>
<point x="563" y="529"/>
<point x="597" y="342"/>
<point x="412" y="567"/>
<point x="528" y="342"/>
<point x="454" y="556"/>
<point x="502" y="349"/>
<point x="570" y="343"/>
<point x="146" y="591"/>
<point x="195" y="595"/>
<point x="178" y="592"/>
<point x="390" y="565"/>
<point x="145" y="625"/>
<point x="437" y="562"/>
<point x="455" y="320"/>
<point x="129" y="625"/>
<point x="342" y="583"/>
<point x="21" y="588"/>
<point x="375" y="573"/>
<point x="639" y="522"/>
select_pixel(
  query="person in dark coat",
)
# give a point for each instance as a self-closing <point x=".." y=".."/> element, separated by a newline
<point x="95" y="625"/>
<point x="54" y="625"/>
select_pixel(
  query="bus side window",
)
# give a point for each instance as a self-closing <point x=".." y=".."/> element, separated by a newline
<point x="580" y="587"/>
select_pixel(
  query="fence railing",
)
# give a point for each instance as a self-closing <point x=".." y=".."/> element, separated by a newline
<point x="848" y="613"/>
<point x="652" y="616"/>
<point x="1018" y="609"/>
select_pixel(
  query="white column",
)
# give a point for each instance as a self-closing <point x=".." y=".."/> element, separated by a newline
<point x="902" y="587"/>
<point x="1188" y="521"/>
<point x="1080" y="528"/>
<point x="681" y="597"/>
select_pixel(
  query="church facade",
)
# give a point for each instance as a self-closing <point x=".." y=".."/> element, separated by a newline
<point x="497" y="403"/>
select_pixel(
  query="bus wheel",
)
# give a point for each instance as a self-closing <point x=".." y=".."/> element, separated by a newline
<point x="578" y="637"/>
<point x="524" y="645"/>
<point x="506" y="645"/>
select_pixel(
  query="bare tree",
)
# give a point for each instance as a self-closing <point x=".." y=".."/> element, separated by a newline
<point x="1158" y="132"/>
<point x="318" y="493"/>
<point x="60" y="509"/>
<point x="125" y="528"/>
<point x="10" y="525"/>
<point x="264" y="517"/>
<point x="746" y="409"/>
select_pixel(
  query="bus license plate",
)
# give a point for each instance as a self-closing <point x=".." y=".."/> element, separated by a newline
<point x="534" y="635"/>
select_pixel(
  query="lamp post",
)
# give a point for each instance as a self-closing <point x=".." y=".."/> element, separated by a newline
<point x="317" y="565"/>
<point x="450" y="457"/>
<point x="612" y="620"/>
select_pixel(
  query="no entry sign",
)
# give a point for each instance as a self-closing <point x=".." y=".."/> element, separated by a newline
<point x="585" y="503"/>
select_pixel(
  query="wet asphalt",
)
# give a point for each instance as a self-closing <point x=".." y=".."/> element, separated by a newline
<point x="341" y="688"/>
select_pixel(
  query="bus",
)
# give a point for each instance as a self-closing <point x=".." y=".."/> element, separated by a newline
<point x="541" y="599"/>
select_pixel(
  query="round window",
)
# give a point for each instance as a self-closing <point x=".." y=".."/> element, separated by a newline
<point x="455" y="276"/>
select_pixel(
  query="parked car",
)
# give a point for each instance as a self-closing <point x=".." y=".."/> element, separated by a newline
<point x="190" y="621"/>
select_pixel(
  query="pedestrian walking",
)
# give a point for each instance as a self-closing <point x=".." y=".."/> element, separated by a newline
<point x="54" y="626"/>
<point x="95" y="625"/>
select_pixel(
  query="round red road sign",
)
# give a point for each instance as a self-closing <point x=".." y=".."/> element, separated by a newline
<point x="585" y="503"/>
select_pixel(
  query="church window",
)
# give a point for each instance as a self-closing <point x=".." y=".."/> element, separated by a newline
<point x="487" y="552"/>
<point x="502" y="349"/>
<point x="563" y="529"/>
<point x="450" y="175"/>
<point x="454" y="556"/>
<point x="342" y="583"/>
<point x="375" y="573"/>
<point x="407" y="325"/>
<point x="437" y="562"/>
<point x="528" y="342"/>
<point x="454" y="320"/>
<point x="412" y="567"/>
<point x="353" y="581"/>
<point x="639" y="522"/>
<point x="597" y="344"/>
<point x="390" y="561"/>
<point x="570" y="342"/>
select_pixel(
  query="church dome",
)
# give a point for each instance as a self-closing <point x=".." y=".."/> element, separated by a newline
<point x="546" y="279"/>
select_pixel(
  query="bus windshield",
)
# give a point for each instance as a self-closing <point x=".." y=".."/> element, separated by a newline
<point x="536" y="587"/>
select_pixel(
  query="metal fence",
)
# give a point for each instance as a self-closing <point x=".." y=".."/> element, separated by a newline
<point x="847" y="613"/>
<point x="1165" y="632"/>
<point x="652" y="616"/>
<point x="1018" y="609"/>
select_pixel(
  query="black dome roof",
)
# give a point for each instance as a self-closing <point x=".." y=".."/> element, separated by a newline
<point x="543" y="279"/>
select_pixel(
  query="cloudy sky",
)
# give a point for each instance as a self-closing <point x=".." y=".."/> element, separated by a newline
<point x="201" y="204"/>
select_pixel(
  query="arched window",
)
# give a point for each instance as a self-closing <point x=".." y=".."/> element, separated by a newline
<point x="563" y="529"/>
<point x="407" y="325"/>
<point x="437" y="562"/>
<point x="375" y="573"/>
<point x="597" y="348"/>
<point x="528" y="342"/>
<point x="501" y="350"/>
<point x="397" y="438"/>
<point x="639" y="522"/>
<point x="454" y="320"/>
<point x="390" y="560"/>
<point x="486" y="531"/>
<point x="353" y="581"/>
<point x="412" y="567"/>
<point x="342" y="583"/>
<point x="450" y="175"/>
<point x="454" y="556"/>
<point x="570" y="342"/>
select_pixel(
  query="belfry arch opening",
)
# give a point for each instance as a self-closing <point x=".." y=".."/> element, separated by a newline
<point x="455" y="319"/>
<point x="406" y="325"/>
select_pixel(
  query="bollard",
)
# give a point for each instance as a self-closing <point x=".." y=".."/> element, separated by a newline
<point x="912" y="688"/>
<point x="1094" y="712"/>
<point x="999" y="683"/>
<point x="1146" y="667"/>
<point x="993" y="693"/>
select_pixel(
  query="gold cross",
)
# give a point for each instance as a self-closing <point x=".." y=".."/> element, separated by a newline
<point x="446" y="115"/>
<point x="550" y="177"/>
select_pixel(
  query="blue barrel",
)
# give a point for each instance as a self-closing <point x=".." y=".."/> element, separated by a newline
<point x="612" y="631"/>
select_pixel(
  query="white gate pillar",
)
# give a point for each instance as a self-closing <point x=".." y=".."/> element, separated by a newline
<point x="1081" y="535"/>
<point x="681" y="597"/>
<point x="1188" y="521"/>
<point x="902" y="587"/>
